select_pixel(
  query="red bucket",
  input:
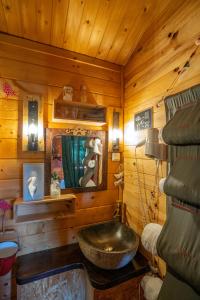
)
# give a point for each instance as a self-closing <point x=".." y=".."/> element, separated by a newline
<point x="8" y="252"/>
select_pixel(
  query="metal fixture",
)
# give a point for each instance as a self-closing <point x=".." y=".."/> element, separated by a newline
<point x="33" y="131"/>
<point x="33" y="125"/>
<point x="115" y="132"/>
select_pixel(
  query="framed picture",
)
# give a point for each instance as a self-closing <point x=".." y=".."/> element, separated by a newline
<point x="33" y="181"/>
<point x="143" y="119"/>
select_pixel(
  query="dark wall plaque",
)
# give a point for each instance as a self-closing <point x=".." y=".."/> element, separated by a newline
<point x="143" y="119"/>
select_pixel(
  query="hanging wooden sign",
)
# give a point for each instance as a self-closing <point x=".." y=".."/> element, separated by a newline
<point x="143" y="119"/>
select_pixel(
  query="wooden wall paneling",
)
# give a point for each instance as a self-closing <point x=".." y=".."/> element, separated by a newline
<point x="82" y="217"/>
<point x="168" y="73"/>
<point x="12" y="168"/>
<point x="57" y="52"/>
<point x="160" y="54"/>
<point x="41" y="75"/>
<point x="8" y="148"/>
<point x="55" y="233"/>
<point x="102" y="198"/>
<point x="48" y="60"/>
<point x="91" y="207"/>
<point x="8" y="129"/>
<point x="8" y="109"/>
<point x="46" y="240"/>
<point x="10" y="188"/>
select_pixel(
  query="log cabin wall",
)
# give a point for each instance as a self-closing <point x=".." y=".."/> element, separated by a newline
<point x="156" y="69"/>
<point x="33" y="68"/>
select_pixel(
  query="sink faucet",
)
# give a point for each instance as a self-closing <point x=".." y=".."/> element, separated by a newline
<point x="120" y="213"/>
<point x="117" y="215"/>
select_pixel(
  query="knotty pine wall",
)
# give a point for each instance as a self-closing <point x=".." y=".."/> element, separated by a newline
<point x="33" y="68"/>
<point x="154" y="67"/>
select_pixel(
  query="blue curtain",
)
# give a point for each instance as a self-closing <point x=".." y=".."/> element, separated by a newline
<point x="73" y="153"/>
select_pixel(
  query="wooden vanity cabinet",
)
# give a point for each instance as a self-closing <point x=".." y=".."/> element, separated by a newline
<point x="128" y="290"/>
<point x="72" y="285"/>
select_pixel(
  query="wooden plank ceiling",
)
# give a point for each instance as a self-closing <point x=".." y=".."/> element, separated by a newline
<point x="106" y="29"/>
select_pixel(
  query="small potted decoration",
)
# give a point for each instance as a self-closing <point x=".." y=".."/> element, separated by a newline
<point x="55" y="185"/>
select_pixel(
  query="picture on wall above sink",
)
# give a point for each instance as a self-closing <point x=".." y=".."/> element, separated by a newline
<point x="77" y="159"/>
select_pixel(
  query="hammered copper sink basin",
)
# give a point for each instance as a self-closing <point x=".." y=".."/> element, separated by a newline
<point x="109" y="245"/>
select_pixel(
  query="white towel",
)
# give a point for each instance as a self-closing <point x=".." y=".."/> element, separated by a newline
<point x="161" y="184"/>
<point x="151" y="287"/>
<point x="150" y="236"/>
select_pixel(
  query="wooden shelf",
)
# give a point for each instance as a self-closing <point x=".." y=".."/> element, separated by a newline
<point x="46" y="209"/>
<point x="77" y="112"/>
<point x="78" y="104"/>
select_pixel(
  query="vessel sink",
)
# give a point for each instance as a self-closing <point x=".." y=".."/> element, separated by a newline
<point x="109" y="245"/>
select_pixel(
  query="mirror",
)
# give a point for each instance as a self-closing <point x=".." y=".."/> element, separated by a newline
<point x="78" y="157"/>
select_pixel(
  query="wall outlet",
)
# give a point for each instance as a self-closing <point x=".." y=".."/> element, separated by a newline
<point x="116" y="156"/>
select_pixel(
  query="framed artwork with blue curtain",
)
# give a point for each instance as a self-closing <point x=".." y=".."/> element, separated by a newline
<point x="78" y="157"/>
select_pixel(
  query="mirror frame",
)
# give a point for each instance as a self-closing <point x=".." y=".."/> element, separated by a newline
<point x="49" y="135"/>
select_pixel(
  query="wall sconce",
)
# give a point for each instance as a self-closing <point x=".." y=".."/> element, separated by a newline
<point x="32" y="125"/>
<point x="33" y="136"/>
<point x="115" y="131"/>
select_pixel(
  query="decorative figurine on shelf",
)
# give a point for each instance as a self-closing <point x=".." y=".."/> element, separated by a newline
<point x="55" y="185"/>
<point x="83" y="91"/>
<point x="68" y="93"/>
<point x="4" y="207"/>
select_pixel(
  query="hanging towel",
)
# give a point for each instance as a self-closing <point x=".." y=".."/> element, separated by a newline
<point x="184" y="127"/>
<point x="151" y="287"/>
<point x="150" y="236"/>
<point x="161" y="184"/>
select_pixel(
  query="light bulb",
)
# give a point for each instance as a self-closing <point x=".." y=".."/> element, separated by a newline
<point x="115" y="134"/>
<point x="32" y="129"/>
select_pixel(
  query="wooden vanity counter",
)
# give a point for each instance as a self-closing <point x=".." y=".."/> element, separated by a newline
<point x="35" y="267"/>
